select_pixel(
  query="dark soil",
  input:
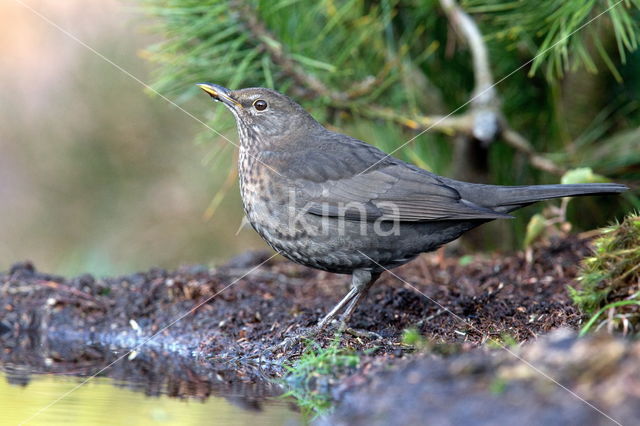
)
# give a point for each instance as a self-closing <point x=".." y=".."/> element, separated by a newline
<point x="227" y="317"/>
<point x="490" y="297"/>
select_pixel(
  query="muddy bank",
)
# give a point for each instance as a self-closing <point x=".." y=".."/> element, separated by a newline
<point x="218" y="333"/>
<point x="491" y="297"/>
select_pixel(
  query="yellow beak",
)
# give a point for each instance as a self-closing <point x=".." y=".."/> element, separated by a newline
<point x="219" y="93"/>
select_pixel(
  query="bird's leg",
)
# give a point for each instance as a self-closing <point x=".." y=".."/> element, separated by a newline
<point x="362" y="285"/>
<point x="334" y="312"/>
<point x="293" y="340"/>
<point x="361" y="282"/>
<point x="361" y="292"/>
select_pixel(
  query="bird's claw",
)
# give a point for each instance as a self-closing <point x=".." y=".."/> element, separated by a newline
<point x="339" y="328"/>
<point x="291" y="341"/>
<point x="364" y="334"/>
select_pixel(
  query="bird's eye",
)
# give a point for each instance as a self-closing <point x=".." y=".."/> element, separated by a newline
<point x="260" y="105"/>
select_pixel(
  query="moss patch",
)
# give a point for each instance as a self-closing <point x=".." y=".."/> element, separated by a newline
<point x="609" y="289"/>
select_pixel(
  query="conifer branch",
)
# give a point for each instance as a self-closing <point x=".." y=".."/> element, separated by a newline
<point x="307" y="83"/>
<point x="483" y="121"/>
<point x="273" y="47"/>
<point x="485" y="106"/>
<point x="486" y="122"/>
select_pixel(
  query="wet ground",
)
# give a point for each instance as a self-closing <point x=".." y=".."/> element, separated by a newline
<point x="217" y="333"/>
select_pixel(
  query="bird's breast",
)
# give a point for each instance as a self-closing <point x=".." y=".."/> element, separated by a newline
<point x="262" y="193"/>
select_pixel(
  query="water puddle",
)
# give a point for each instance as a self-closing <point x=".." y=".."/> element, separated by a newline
<point x="150" y="388"/>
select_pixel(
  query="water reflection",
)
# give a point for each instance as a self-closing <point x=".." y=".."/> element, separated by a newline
<point x="148" y="389"/>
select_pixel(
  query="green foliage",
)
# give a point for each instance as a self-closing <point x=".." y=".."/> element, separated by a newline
<point x="309" y="378"/>
<point x="466" y="260"/>
<point x="535" y="228"/>
<point x="498" y="386"/>
<point x="552" y="30"/>
<point x="219" y="40"/>
<point x="619" y="319"/>
<point x="582" y="175"/>
<point x="610" y="279"/>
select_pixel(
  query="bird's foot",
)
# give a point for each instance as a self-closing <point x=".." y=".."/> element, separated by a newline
<point x="334" y="328"/>
<point x="363" y="334"/>
<point x="295" y="340"/>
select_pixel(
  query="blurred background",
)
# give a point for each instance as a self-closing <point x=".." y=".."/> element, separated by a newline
<point x="96" y="174"/>
<point x="99" y="175"/>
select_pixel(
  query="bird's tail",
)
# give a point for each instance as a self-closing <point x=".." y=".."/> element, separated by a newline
<point x="505" y="199"/>
<point x="516" y="195"/>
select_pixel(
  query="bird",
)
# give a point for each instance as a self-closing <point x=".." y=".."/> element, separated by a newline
<point x="335" y="203"/>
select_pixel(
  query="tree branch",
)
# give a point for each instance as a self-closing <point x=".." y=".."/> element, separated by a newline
<point x="485" y="106"/>
<point x="520" y="143"/>
<point x="462" y="124"/>
<point x="484" y="120"/>
<point x="274" y="48"/>
<point x="306" y="82"/>
<point x="488" y="121"/>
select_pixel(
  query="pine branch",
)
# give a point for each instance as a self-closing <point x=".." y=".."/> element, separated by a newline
<point x="463" y="123"/>
<point x="469" y="31"/>
<point x="484" y="120"/>
<point x="307" y="83"/>
<point x="235" y="39"/>
<point x="520" y="143"/>
<point x="557" y="30"/>
<point x="279" y="56"/>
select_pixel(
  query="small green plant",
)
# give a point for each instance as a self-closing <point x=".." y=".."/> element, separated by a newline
<point x="310" y="377"/>
<point x="505" y="340"/>
<point x="467" y="259"/>
<point x="610" y="279"/>
<point x="498" y="386"/>
<point x="412" y="337"/>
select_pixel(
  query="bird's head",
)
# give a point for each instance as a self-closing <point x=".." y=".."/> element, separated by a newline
<point x="263" y="115"/>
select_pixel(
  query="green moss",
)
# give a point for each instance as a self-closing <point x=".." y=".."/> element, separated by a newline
<point x="610" y="278"/>
<point x="310" y="377"/>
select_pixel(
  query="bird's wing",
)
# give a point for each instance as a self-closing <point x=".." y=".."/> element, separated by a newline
<point x="359" y="182"/>
<point x="391" y="193"/>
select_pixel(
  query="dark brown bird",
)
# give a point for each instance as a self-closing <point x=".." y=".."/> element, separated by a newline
<point x="332" y="202"/>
